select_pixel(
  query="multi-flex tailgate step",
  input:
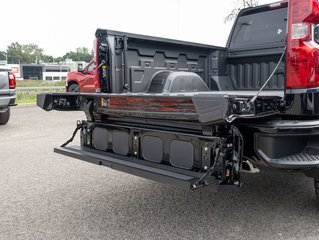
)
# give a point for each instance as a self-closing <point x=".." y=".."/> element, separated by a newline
<point x="139" y="168"/>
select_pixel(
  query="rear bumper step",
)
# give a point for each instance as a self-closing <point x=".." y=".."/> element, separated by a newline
<point x="288" y="144"/>
<point x="164" y="174"/>
<point x="306" y="159"/>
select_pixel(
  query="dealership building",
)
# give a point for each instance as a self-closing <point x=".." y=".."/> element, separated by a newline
<point x="48" y="72"/>
<point x="44" y="71"/>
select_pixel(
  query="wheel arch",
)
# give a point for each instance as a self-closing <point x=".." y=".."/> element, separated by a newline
<point x="70" y="82"/>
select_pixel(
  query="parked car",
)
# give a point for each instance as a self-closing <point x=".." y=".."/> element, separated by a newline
<point x="7" y="93"/>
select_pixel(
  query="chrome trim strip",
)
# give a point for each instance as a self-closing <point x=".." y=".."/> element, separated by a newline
<point x="306" y="90"/>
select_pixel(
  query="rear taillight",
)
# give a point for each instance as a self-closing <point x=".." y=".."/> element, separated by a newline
<point x="302" y="59"/>
<point x="12" y="80"/>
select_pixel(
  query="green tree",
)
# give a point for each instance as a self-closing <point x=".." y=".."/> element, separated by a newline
<point x="24" y="53"/>
<point x="2" y="55"/>
<point x="46" y="58"/>
<point x="59" y="59"/>
<point x="15" y="54"/>
<point x="240" y="5"/>
<point x="81" y="54"/>
<point x="32" y="53"/>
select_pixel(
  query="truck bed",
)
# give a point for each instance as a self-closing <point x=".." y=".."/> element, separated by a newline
<point x="135" y="59"/>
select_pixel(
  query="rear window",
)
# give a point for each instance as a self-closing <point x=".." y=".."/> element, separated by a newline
<point x="260" y="28"/>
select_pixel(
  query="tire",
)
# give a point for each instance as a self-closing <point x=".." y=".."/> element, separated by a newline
<point x="317" y="187"/>
<point x="4" y="117"/>
<point x="73" y="87"/>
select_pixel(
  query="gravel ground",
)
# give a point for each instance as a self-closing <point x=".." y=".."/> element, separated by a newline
<point x="44" y="195"/>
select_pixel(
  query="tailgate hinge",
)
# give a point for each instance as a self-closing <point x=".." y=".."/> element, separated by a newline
<point x="226" y="167"/>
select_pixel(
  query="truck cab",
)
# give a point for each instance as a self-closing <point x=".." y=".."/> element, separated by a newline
<point x="82" y="80"/>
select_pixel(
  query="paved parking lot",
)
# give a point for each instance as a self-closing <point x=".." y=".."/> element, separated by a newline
<point x="47" y="196"/>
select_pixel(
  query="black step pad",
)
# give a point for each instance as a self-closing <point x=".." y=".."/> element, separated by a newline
<point x="308" y="158"/>
<point x="301" y="157"/>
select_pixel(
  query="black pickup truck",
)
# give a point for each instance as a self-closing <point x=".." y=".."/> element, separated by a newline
<point x="195" y="115"/>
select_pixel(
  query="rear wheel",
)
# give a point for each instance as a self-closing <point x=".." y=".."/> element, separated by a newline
<point x="4" y="117"/>
<point x="74" y="88"/>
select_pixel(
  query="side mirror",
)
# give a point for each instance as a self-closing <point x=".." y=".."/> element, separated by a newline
<point x="80" y="67"/>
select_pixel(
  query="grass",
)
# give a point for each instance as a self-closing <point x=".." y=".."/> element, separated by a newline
<point x="39" y="83"/>
<point x="30" y="96"/>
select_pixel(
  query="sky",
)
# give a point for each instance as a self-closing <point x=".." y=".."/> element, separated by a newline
<point x="60" y="26"/>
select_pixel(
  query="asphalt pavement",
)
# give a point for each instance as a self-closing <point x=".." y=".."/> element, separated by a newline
<point x="44" y="195"/>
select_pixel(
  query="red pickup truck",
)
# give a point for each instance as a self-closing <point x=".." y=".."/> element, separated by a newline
<point x="82" y="80"/>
